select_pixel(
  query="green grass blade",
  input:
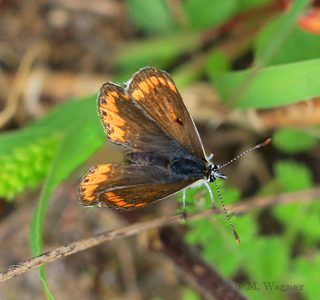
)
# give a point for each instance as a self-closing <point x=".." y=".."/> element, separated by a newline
<point x="272" y="86"/>
<point x="80" y="140"/>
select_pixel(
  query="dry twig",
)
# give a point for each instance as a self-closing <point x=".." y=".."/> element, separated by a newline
<point x="242" y="207"/>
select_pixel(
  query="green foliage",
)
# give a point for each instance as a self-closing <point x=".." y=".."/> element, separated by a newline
<point x="49" y="149"/>
<point x="271" y="86"/>
<point x="151" y="16"/>
<point x="294" y="140"/>
<point x="80" y="138"/>
<point x="248" y="4"/>
<point x="157" y="51"/>
<point x="205" y="13"/>
<point x="189" y="294"/>
<point x="217" y="63"/>
<point x="264" y="258"/>
<point x="306" y="273"/>
<point x="299" y="46"/>
<point x="25" y="165"/>
<point x="293" y="176"/>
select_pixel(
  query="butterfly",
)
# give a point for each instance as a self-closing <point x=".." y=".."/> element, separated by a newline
<point x="149" y="118"/>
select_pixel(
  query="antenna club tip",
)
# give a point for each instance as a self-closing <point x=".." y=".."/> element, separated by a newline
<point x="266" y="142"/>
<point x="236" y="236"/>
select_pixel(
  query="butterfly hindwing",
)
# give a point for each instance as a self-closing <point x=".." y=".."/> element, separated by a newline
<point x="122" y="186"/>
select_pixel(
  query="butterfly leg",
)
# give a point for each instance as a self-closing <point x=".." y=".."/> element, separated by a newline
<point x="209" y="190"/>
<point x="210" y="156"/>
<point x="184" y="205"/>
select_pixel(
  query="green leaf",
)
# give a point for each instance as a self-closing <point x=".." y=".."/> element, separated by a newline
<point x="293" y="140"/>
<point x="18" y="138"/>
<point x="81" y="136"/>
<point x="300" y="45"/>
<point x="270" y="87"/>
<point x="217" y="63"/>
<point x="151" y="16"/>
<point x="267" y="259"/>
<point x="24" y="159"/>
<point x="205" y="13"/>
<point x="158" y="52"/>
<point x="293" y="176"/>
<point x="249" y="4"/>
<point x="78" y="144"/>
<point x="276" y="41"/>
<point x="189" y="294"/>
<point x="306" y="273"/>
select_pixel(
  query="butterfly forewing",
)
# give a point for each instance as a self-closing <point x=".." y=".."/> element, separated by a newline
<point x="156" y="93"/>
<point x="121" y="186"/>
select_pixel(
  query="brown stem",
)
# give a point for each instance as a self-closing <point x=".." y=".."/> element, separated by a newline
<point x="203" y="277"/>
<point x="242" y="207"/>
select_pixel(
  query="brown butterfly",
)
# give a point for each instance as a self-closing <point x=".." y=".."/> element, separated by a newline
<point x="150" y="119"/>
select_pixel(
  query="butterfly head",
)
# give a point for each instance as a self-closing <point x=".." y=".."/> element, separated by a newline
<point x="213" y="173"/>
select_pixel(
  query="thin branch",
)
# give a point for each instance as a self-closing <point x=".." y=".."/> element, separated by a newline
<point x="239" y="208"/>
<point x="200" y="275"/>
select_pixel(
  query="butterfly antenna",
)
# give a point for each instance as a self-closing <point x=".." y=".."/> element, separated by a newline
<point x="225" y="211"/>
<point x="266" y="142"/>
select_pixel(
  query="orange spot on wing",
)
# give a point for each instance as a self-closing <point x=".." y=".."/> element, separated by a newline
<point x="155" y="80"/>
<point x="103" y="168"/>
<point x="126" y="96"/>
<point x="113" y="197"/>
<point x="110" y="98"/>
<point x="162" y="81"/>
<point x="121" y="203"/>
<point x="91" y="181"/>
<point x="117" y="134"/>
<point x="129" y="205"/>
<point x="141" y="204"/>
<point x="114" y="94"/>
<point x="113" y="119"/>
<point x="109" y="105"/>
<point x="148" y="81"/>
<point x="172" y="87"/>
<point x="87" y="193"/>
<point x="137" y="94"/>
<point x="144" y="87"/>
<point x="174" y="116"/>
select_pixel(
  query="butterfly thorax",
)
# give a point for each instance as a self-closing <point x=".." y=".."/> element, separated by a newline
<point x="188" y="167"/>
